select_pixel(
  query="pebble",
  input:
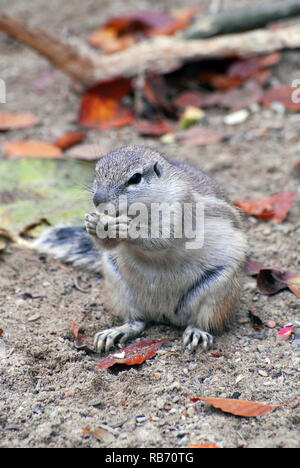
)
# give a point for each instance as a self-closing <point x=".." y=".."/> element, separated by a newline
<point x="236" y="118"/>
<point x="190" y="411"/>
<point x="34" y="317"/>
<point x="263" y="373"/>
<point x="175" y="386"/>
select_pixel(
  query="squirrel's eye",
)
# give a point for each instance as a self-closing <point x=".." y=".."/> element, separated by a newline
<point x="135" y="179"/>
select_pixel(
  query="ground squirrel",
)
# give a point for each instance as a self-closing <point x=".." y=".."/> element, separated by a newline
<point x="159" y="278"/>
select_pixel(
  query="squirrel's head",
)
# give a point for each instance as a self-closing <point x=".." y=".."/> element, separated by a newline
<point x="139" y="173"/>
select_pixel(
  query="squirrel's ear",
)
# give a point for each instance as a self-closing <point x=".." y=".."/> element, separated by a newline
<point x="157" y="169"/>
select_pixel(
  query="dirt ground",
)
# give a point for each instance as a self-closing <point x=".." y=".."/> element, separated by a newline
<point x="49" y="391"/>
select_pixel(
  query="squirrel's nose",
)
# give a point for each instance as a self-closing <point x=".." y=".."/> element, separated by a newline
<point x="100" y="197"/>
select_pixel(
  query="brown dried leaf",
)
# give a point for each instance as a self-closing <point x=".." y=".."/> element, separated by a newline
<point x="247" y="409"/>
<point x="200" y="135"/>
<point x="101" y="106"/>
<point x="32" y="149"/>
<point x="17" y="121"/>
<point x="157" y="128"/>
<point x="122" y="32"/>
<point x="86" y="152"/>
<point x="204" y="446"/>
<point x="136" y="353"/>
<point x="272" y="280"/>
<point x="256" y="321"/>
<point x="275" y="208"/>
<point x="282" y="94"/>
<point x="69" y="139"/>
<point x="252" y="267"/>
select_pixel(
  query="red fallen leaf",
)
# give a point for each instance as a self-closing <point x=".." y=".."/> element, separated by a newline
<point x="122" y="32"/>
<point x="181" y="20"/>
<point x="216" y="353"/>
<point x="86" y="152"/>
<point x="156" y="92"/>
<point x="80" y="340"/>
<point x="157" y="128"/>
<point x="1" y="331"/>
<point x="204" y="446"/>
<point x="136" y="353"/>
<point x="272" y="280"/>
<point x="255" y="319"/>
<point x="200" y="135"/>
<point x="32" y="149"/>
<point x="236" y="99"/>
<point x="69" y="139"/>
<point x="247" y="409"/>
<point x="284" y="95"/>
<point x="101" y="106"/>
<point x="16" y="121"/>
<point x="285" y="333"/>
<point x="249" y="68"/>
<point x="223" y="82"/>
<point x="252" y="267"/>
<point x="193" y="98"/>
<point x="275" y="208"/>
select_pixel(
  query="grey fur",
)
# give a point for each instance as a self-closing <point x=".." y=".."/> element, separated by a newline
<point x="151" y="280"/>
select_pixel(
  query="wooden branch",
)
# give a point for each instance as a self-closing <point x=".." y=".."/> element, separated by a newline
<point x="62" y="55"/>
<point x="157" y="54"/>
<point x="242" y="20"/>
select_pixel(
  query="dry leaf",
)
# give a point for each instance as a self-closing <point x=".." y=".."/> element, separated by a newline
<point x="282" y="94"/>
<point x="69" y="139"/>
<point x="204" y="446"/>
<point x="200" y="135"/>
<point x="248" y="68"/>
<point x="80" y="340"/>
<point x="31" y="149"/>
<point x="243" y="408"/>
<point x="17" y="121"/>
<point x="255" y="319"/>
<point x="124" y="31"/>
<point x="272" y="280"/>
<point x="86" y="152"/>
<point x="100" y="434"/>
<point x="156" y="128"/>
<point x="252" y="267"/>
<point x="101" y="106"/>
<point x="136" y="353"/>
<point x="275" y="208"/>
<point x="1" y="331"/>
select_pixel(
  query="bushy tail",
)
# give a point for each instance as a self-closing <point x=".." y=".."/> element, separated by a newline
<point x="73" y="246"/>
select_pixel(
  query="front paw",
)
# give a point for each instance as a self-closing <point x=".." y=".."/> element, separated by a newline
<point x="109" y="227"/>
<point x="91" y="221"/>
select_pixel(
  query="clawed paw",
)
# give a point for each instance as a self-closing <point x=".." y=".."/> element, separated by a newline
<point x="91" y="221"/>
<point x="193" y="337"/>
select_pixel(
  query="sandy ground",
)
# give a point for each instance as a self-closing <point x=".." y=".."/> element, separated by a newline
<point x="49" y="391"/>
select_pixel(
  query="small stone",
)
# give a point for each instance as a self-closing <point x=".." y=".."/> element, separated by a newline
<point x="271" y="324"/>
<point x="34" y="317"/>
<point x="236" y="118"/>
<point x="263" y="373"/>
<point x="190" y="411"/>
